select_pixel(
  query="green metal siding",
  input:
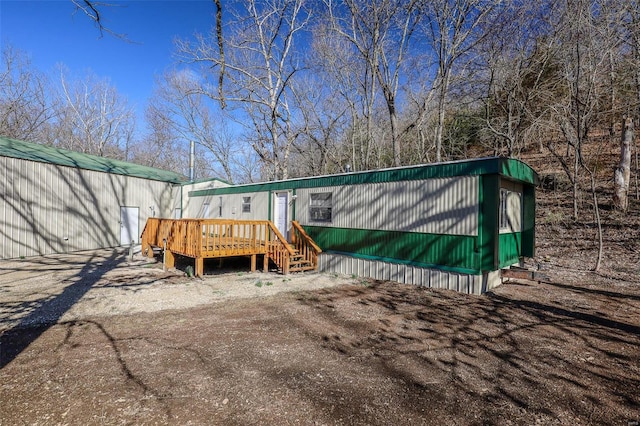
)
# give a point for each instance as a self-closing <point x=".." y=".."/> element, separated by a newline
<point x="451" y="252"/>
<point x="488" y="222"/>
<point x="484" y="166"/>
<point x="510" y="249"/>
<point x="518" y="170"/>
<point x="528" y="221"/>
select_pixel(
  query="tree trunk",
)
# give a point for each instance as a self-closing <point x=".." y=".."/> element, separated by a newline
<point x="622" y="174"/>
<point x="596" y="213"/>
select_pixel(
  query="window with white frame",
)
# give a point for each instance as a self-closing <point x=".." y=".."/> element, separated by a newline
<point x="504" y="214"/>
<point x="320" y="207"/>
<point x="510" y="210"/>
<point x="246" y="204"/>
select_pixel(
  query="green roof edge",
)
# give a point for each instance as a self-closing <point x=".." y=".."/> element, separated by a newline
<point x="62" y="157"/>
<point x="509" y="167"/>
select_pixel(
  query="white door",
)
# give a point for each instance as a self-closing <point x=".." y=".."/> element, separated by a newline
<point x="129" y="230"/>
<point x="281" y="213"/>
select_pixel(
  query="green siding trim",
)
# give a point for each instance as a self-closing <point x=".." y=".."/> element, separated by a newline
<point x="483" y="166"/>
<point x="449" y="252"/>
<point x="488" y="221"/>
<point x="510" y="248"/>
<point x="62" y="157"/>
<point x="529" y="221"/>
<point x="293" y="207"/>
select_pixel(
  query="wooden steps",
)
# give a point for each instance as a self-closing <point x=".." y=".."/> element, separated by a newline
<point x="517" y="272"/>
<point x="298" y="263"/>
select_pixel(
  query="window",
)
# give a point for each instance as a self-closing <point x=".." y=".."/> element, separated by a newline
<point x="510" y="211"/>
<point x="320" y="207"/>
<point x="246" y="204"/>
<point x="504" y="212"/>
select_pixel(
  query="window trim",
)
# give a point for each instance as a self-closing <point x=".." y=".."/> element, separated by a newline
<point x="246" y="204"/>
<point x="321" y="209"/>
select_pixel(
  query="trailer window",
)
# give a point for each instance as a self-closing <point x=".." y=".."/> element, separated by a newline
<point x="246" y="204"/>
<point x="510" y="210"/>
<point x="320" y="207"/>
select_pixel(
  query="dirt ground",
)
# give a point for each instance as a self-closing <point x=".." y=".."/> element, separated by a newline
<point x="94" y="338"/>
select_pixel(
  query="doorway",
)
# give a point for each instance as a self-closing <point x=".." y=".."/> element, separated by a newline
<point x="281" y="213"/>
<point x="129" y="225"/>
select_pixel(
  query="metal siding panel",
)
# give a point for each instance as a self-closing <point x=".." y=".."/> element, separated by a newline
<point x="422" y="249"/>
<point x="406" y="274"/>
<point x="63" y="202"/>
<point x="439" y="206"/>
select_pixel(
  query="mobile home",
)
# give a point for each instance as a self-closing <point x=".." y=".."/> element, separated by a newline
<point x="448" y="225"/>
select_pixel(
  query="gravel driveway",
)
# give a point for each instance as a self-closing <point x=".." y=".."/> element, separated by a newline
<point x="102" y="283"/>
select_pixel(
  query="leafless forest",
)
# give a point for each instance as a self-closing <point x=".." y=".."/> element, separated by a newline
<point x="287" y="88"/>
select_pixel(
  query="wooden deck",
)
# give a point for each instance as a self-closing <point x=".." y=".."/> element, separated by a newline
<point x="217" y="238"/>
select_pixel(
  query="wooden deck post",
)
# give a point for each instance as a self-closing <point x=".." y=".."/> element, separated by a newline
<point x="199" y="266"/>
<point x="169" y="259"/>
<point x="266" y="263"/>
<point x="253" y="262"/>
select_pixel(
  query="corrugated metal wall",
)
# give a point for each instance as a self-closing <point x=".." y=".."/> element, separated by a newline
<point x="437" y="206"/>
<point x="231" y="206"/>
<point x="408" y="274"/>
<point x="43" y="204"/>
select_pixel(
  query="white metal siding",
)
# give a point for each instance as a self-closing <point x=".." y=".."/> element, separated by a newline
<point x="231" y="206"/>
<point x="42" y="204"/>
<point x="440" y="206"/>
<point x="407" y="274"/>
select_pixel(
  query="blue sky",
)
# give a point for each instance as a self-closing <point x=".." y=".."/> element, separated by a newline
<point x="51" y="33"/>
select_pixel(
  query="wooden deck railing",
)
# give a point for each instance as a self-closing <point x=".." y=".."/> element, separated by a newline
<point x="279" y="249"/>
<point x="305" y="246"/>
<point x="210" y="238"/>
<point x="155" y="231"/>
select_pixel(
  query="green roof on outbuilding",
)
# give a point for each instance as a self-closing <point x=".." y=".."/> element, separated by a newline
<point x="47" y="154"/>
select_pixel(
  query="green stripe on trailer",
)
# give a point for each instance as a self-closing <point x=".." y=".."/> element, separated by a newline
<point x="484" y="166"/>
<point x="450" y="252"/>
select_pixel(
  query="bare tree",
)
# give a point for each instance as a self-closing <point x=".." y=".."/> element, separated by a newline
<point x="622" y="174"/>
<point x="160" y="146"/>
<point x="323" y="119"/>
<point x="257" y="64"/>
<point x="25" y="109"/>
<point x="348" y="80"/>
<point x="93" y="117"/>
<point x="453" y="28"/>
<point x="516" y="76"/>
<point x="94" y="11"/>
<point x="587" y="43"/>
<point x="380" y="32"/>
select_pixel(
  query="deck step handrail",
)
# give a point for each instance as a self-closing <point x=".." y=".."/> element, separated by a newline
<point x="304" y="245"/>
<point x="279" y="250"/>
